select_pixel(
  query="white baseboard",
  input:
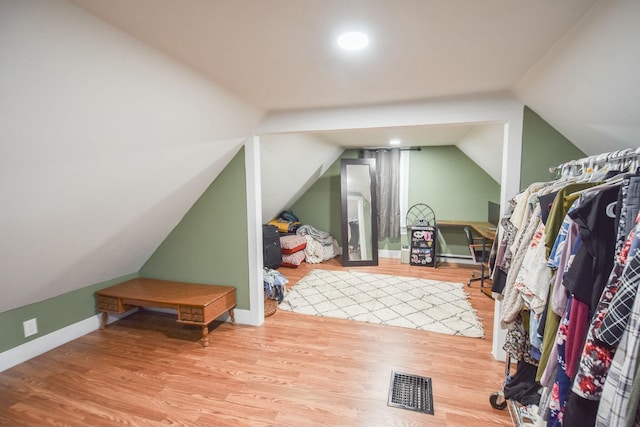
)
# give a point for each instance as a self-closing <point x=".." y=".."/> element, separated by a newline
<point x="458" y="259"/>
<point x="40" y="345"/>
<point x="394" y="254"/>
<point x="388" y="253"/>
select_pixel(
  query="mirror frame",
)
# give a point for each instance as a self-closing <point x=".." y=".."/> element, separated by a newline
<point x="344" y="193"/>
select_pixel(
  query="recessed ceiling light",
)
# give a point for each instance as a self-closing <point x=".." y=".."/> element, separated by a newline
<point x="353" y="40"/>
<point x="394" y="142"/>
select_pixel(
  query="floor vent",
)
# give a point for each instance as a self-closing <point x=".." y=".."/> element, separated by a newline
<point x="411" y="392"/>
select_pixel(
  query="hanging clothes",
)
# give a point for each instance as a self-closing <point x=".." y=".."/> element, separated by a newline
<point x="594" y="260"/>
<point x="562" y="384"/>
<point x="561" y="204"/>
<point x="596" y="357"/>
<point x="582" y="323"/>
<point x="562" y="253"/>
<point x="617" y="389"/>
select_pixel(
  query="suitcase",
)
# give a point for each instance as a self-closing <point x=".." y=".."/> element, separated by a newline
<point x="271" y="251"/>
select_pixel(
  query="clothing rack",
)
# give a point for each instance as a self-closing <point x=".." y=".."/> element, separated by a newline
<point x="618" y="158"/>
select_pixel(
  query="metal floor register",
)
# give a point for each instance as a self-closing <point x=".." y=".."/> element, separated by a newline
<point x="411" y="392"/>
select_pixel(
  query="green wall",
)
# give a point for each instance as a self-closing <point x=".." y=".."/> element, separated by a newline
<point x="542" y="148"/>
<point x="436" y="173"/>
<point x="51" y="314"/>
<point x="455" y="187"/>
<point x="209" y="245"/>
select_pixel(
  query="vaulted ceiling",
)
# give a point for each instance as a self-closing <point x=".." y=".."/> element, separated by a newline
<point x="572" y="61"/>
<point x="282" y="54"/>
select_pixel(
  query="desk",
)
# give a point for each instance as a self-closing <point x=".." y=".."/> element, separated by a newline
<point x="484" y="229"/>
<point x="196" y="304"/>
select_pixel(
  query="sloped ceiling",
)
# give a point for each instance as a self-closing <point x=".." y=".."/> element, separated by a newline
<point x="586" y="85"/>
<point x="104" y="145"/>
<point x="281" y="54"/>
<point x="571" y="61"/>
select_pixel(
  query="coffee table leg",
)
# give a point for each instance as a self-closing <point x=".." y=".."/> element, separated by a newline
<point x="205" y="336"/>
<point x="233" y="318"/>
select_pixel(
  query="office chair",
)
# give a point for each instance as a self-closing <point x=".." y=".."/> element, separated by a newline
<point x="479" y="250"/>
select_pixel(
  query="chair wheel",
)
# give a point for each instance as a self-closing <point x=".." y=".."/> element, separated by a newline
<point x="497" y="400"/>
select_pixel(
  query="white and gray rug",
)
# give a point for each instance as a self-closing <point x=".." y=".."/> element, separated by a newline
<point x="408" y="302"/>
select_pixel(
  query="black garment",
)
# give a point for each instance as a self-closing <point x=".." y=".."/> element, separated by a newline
<point x="546" y="201"/>
<point x="627" y="208"/>
<point x="499" y="280"/>
<point x="522" y="386"/>
<point x="579" y="412"/>
<point x="543" y="321"/>
<point x="588" y="274"/>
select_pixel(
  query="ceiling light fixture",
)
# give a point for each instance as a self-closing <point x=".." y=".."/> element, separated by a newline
<point x="353" y="40"/>
<point x="394" y="142"/>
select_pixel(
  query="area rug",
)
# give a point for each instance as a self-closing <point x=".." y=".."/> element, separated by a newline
<point x="408" y="302"/>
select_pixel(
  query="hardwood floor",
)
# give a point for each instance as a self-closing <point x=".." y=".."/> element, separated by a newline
<point x="295" y="370"/>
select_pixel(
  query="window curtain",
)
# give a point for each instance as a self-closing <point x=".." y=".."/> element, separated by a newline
<point x="387" y="190"/>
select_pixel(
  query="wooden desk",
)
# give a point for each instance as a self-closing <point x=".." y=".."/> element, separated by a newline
<point x="484" y="229"/>
<point x="196" y="304"/>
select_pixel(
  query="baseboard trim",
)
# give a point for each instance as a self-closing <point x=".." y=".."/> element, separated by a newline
<point x="40" y="345"/>
<point x="460" y="259"/>
<point x="45" y="343"/>
<point x="388" y="253"/>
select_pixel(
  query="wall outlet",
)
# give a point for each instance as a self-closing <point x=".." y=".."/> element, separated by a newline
<point x="30" y="327"/>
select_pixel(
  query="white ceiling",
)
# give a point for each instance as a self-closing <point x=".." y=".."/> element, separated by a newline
<point x="281" y="54"/>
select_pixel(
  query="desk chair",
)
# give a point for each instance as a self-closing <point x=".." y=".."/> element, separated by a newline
<point x="480" y="254"/>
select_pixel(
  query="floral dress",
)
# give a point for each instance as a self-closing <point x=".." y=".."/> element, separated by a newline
<point x="562" y="385"/>
<point x="596" y="357"/>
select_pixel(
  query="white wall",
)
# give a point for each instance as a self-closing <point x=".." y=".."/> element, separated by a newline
<point x="104" y="145"/>
<point x="482" y="108"/>
<point x="291" y="163"/>
<point x="484" y="146"/>
<point x="586" y="86"/>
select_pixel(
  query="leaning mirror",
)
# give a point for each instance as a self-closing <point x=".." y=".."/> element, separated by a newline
<point x="359" y="214"/>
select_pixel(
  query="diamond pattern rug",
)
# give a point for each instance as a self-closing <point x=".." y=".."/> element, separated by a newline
<point x="408" y="302"/>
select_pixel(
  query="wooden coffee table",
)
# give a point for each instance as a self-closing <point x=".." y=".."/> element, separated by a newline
<point x="196" y="304"/>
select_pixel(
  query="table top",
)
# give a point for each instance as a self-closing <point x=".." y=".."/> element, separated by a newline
<point x="166" y="292"/>
<point x="484" y="229"/>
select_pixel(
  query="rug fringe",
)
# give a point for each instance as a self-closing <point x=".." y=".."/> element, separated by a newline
<point x="475" y="312"/>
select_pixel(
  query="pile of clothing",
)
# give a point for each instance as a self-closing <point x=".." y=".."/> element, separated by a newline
<point x="320" y="245"/>
<point x="286" y="222"/>
<point x="275" y="284"/>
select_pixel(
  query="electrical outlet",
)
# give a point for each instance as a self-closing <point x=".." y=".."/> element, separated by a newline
<point x="30" y="327"/>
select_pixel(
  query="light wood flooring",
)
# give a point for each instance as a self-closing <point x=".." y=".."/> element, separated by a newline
<point x="295" y="370"/>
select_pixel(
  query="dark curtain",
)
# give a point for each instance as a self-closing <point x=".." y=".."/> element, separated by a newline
<point x="387" y="190"/>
